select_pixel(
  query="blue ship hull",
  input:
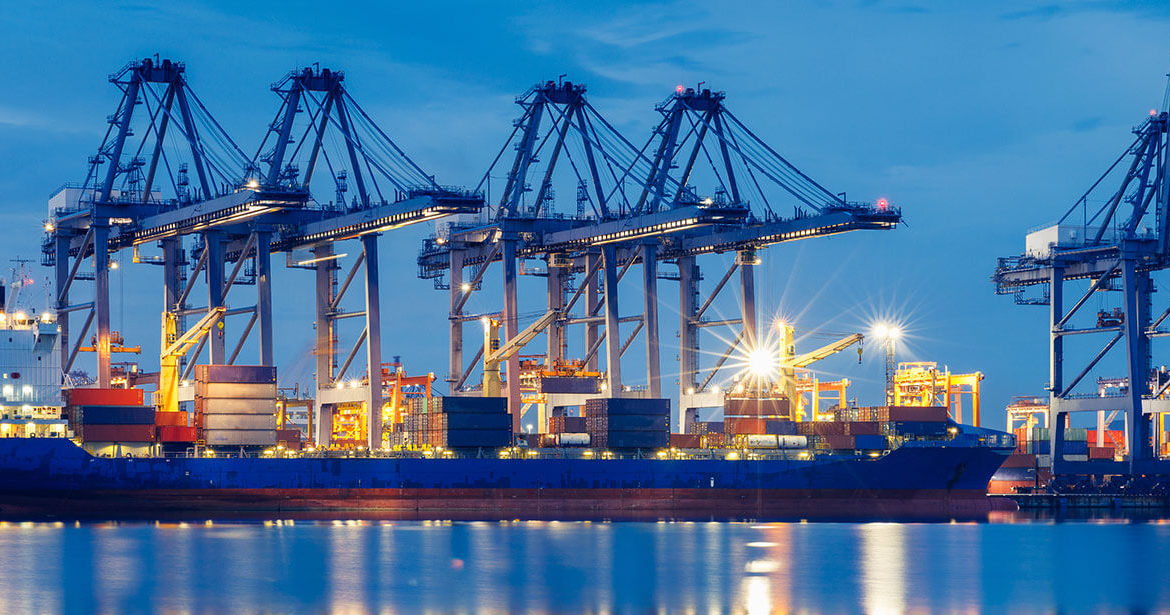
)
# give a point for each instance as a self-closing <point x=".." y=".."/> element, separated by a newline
<point x="931" y="479"/>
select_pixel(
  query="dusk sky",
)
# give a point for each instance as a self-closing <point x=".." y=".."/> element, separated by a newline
<point x="981" y="120"/>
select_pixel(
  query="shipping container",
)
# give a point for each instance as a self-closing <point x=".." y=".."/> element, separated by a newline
<point x="610" y="406"/>
<point x="452" y="404"/>
<point x="237" y="406"/>
<point x="1076" y="434"/>
<point x="1084" y="457"/>
<point x="568" y="384"/>
<point x="176" y="433"/>
<point x="170" y="418"/>
<point x="103" y="397"/>
<point x="638" y="422"/>
<point x="1101" y="452"/>
<point x="679" y="440"/>
<point x="229" y="390"/>
<point x="118" y="433"/>
<point x="115" y="415"/>
<point x="265" y="374"/>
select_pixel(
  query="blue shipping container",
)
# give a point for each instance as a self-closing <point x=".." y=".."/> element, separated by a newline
<point x="115" y="415"/>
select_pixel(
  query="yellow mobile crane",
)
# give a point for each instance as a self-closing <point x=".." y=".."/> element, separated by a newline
<point x="790" y="361"/>
<point x="175" y="347"/>
<point x="494" y="353"/>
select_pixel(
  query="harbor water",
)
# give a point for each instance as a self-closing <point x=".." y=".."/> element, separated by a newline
<point x="1012" y="564"/>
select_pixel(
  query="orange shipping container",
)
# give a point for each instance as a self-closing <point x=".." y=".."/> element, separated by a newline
<point x="173" y="419"/>
<point x="103" y="397"/>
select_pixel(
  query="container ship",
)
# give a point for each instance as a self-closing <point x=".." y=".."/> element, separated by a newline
<point x="228" y="444"/>
<point x="891" y="463"/>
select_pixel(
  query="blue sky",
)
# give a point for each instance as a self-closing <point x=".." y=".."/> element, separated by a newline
<point x="982" y="120"/>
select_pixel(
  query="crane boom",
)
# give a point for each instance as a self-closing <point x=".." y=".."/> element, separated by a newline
<point x="827" y="350"/>
<point x="494" y="353"/>
<point x="168" y="373"/>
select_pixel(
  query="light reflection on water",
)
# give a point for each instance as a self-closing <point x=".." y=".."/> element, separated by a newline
<point x="354" y="567"/>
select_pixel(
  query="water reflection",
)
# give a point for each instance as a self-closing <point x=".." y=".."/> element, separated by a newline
<point x="883" y="567"/>
<point x="439" y="567"/>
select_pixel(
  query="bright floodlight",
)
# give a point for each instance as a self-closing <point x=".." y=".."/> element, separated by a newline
<point x="762" y="363"/>
<point x="884" y="331"/>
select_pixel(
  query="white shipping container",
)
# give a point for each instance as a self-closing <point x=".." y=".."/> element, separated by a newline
<point x="239" y="421"/>
<point x="240" y="406"/>
<point x="761" y="441"/>
<point x="240" y="437"/>
<point x="792" y="441"/>
<point x="1076" y="457"/>
<point x="233" y="390"/>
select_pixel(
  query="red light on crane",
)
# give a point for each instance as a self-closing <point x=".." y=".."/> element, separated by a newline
<point x="883" y="204"/>
<point x="1153" y="112"/>
<point x="679" y="89"/>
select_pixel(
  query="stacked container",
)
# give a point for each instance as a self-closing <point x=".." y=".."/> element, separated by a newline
<point x="628" y="423"/>
<point x="173" y="427"/>
<point x="235" y="405"/>
<point x="114" y="416"/>
<point x="458" y="422"/>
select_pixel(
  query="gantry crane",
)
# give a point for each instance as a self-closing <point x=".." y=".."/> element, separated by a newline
<point x="172" y="174"/>
<point x="1113" y="239"/>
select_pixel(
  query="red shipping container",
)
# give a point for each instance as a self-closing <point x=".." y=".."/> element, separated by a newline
<point x="1100" y="452"/>
<point x="118" y="433"/>
<point x="678" y="440"/>
<point x="173" y="419"/>
<point x="103" y="397"/>
<point x="740" y="426"/>
<point x="176" y="433"/>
